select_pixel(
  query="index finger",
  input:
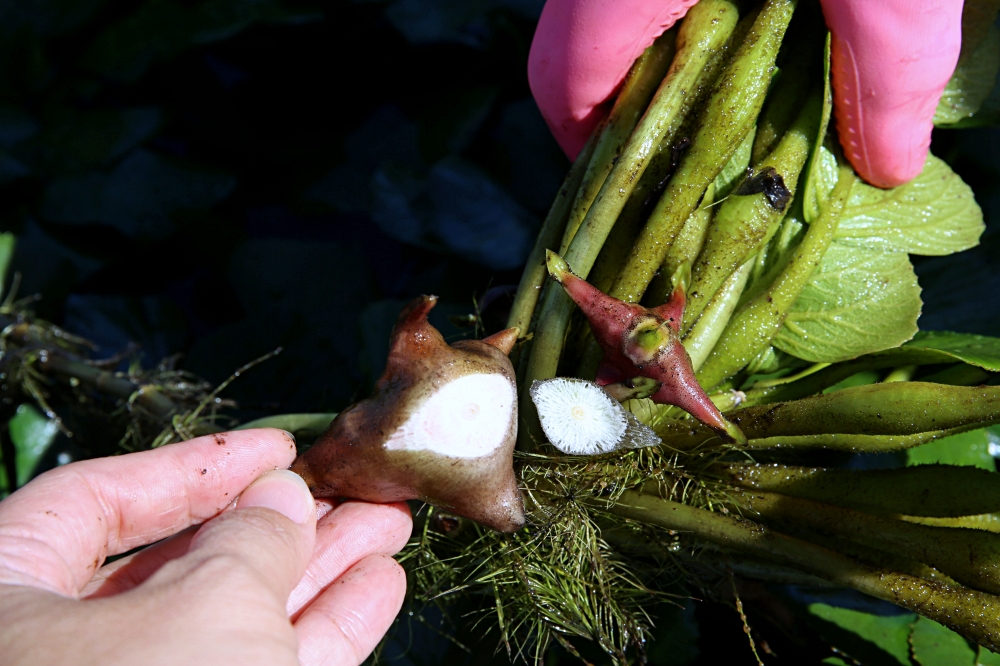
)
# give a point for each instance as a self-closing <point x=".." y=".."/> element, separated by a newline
<point x="56" y="531"/>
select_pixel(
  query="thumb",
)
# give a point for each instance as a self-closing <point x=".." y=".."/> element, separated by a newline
<point x="891" y="60"/>
<point x="268" y="538"/>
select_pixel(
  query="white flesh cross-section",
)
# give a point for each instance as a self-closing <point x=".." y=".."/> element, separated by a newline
<point x="469" y="417"/>
<point x="579" y="417"/>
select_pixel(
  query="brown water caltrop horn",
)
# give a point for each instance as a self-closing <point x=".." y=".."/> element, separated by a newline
<point x="639" y="341"/>
<point x="440" y="427"/>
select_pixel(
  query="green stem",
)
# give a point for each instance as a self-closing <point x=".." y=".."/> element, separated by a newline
<point x="729" y="116"/>
<point x="877" y="417"/>
<point x="814" y="382"/>
<point x="548" y="239"/>
<point x="701" y="37"/>
<point x="756" y="324"/>
<point x="855" y="443"/>
<point x="109" y="383"/>
<point x="306" y="425"/>
<point x="972" y="557"/>
<point x="682" y="435"/>
<point x="959" y="375"/>
<point x="791" y="88"/>
<point x="744" y="224"/>
<point x="901" y="374"/>
<point x="684" y="249"/>
<point x="973" y="614"/>
<point x="941" y="491"/>
<point x="702" y="337"/>
<point x="904" y="408"/>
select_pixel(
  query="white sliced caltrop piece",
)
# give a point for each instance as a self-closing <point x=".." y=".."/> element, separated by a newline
<point x="466" y="418"/>
<point x="580" y="418"/>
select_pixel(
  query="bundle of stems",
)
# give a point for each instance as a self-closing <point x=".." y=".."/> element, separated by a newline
<point x="717" y="171"/>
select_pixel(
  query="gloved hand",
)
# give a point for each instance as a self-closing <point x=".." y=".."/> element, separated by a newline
<point x="891" y="61"/>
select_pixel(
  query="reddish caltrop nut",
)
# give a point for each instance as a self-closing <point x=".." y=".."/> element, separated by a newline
<point x="440" y="427"/>
<point x="646" y="342"/>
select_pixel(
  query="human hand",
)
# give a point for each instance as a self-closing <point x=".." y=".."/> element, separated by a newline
<point x="890" y="61"/>
<point x="273" y="577"/>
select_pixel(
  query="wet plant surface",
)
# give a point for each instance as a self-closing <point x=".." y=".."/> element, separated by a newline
<point x="192" y="185"/>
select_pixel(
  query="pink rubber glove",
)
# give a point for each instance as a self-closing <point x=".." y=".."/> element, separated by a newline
<point x="891" y="62"/>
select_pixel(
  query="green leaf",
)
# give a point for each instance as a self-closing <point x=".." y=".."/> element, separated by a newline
<point x="858" y="301"/>
<point x="971" y="448"/>
<point x="972" y="82"/>
<point x="821" y="174"/>
<point x="936" y="645"/>
<point x="872" y="639"/>
<point x="987" y="658"/>
<point x="933" y="214"/>
<point x="979" y="350"/>
<point x="32" y="434"/>
<point x="736" y="168"/>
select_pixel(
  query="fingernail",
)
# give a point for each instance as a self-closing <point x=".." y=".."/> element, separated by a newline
<point x="282" y="491"/>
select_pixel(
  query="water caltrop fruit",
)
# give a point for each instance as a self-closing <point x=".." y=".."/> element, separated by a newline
<point x="639" y="341"/>
<point x="440" y="427"/>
